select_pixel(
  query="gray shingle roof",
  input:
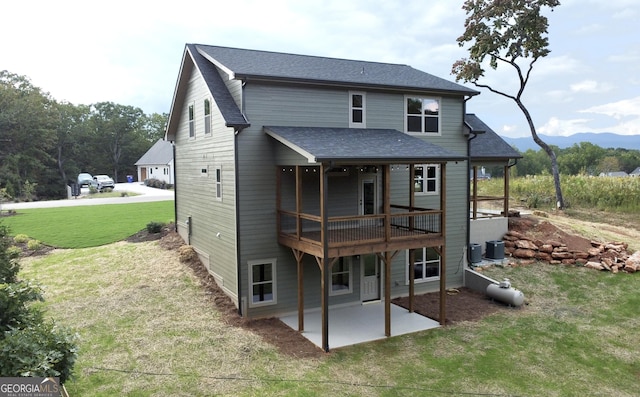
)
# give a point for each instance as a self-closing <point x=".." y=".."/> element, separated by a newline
<point x="249" y="64"/>
<point x="230" y="112"/>
<point x="348" y="145"/>
<point x="160" y="153"/>
<point x="488" y="145"/>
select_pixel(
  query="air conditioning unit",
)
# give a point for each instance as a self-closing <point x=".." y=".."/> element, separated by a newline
<point x="495" y="249"/>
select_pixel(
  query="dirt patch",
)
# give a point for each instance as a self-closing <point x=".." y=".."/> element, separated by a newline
<point x="536" y="228"/>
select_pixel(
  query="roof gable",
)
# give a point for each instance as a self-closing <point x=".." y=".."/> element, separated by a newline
<point x="160" y="153"/>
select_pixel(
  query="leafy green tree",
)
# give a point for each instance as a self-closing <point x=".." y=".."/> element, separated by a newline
<point x="608" y="164"/>
<point x="27" y="134"/>
<point x="115" y="128"/>
<point x="511" y="33"/>
<point x="580" y="158"/>
<point x="29" y="344"/>
<point x="72" y="132"/>
<point x="533" y="163"/>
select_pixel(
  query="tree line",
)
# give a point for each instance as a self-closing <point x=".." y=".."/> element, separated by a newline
<point x="45" y="143"/>
<point x="582" y="158"/>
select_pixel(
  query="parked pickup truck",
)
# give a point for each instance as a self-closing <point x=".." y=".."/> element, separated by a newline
<point x="101" y="182"/>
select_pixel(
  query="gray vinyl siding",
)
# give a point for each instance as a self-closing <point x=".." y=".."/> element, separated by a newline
<point x="213" y="222"/>
<point x="260" y="157"/>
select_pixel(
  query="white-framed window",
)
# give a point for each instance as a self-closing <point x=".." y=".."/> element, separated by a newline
<point x="422" y="115"/>
<point x="425" y="267"/>
<point x="219" y="183"/>
<point x="426" y="179"/>
<point x="207" y="117"/>
<point x="192" y="127"/>
<point x="357" y="109"/>
<point x="262" y="282"/>
<point x="341" y="277"/>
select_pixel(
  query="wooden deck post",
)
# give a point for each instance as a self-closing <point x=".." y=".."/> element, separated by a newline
<point x="325" y="251"/>
<point x="299" y="255"/>
<point x="412" y="281"/>
<point x="387" y="293"/>
<point x="443" y="248"/>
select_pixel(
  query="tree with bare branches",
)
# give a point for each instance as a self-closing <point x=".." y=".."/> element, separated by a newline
<point x="511" y="33"/>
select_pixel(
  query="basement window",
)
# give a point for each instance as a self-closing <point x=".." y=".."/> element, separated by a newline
<point x="262" y="282"/>
<point x="341" y="279"/>
<point x="425" y="267"/>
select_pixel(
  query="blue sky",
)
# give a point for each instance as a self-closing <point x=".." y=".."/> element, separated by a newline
<point x="129" y="52"/>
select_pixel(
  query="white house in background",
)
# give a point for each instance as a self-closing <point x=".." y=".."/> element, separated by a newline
<point x="635" y="172"/>
<point x="157" y="163"/>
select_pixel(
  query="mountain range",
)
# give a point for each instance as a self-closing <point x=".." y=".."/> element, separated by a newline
<point x="604" y="140"/>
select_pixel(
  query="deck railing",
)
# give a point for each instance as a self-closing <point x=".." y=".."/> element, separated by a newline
<point x="359" y="229"/>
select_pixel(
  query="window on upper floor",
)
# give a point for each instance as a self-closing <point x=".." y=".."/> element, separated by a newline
<point x="357" y="110"/>
<point x="262" y="282"/>
<point x="341" y="279"/>
<point x="426" y="179"/>
<point x="192" y="127"/>
<point x="425" y="267"/>
<point x="422" y="115"/>
<point x="207" y="117"/>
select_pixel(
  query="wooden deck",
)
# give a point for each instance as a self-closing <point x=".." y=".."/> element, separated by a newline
<point x="354" y="235"/>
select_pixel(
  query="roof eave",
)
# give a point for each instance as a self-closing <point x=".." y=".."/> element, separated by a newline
<point x="337" y="83"/>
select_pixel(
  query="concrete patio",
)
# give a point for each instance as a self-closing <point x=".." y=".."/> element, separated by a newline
<point x="356" y="324"/>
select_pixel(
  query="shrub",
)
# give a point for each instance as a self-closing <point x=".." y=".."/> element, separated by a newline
<point x="155" y="227"/>
<point x="40" y="350"/>
<point x="156" y="183"/>
<point x="92" y="190"/>
<point x="29" y="346"/>
<point x="187" y="254"/>
<point x="34" y="245"/>
<point x="21" y="238"/>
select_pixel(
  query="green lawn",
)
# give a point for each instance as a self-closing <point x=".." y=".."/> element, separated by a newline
<point x="90" y="225"/>
<point x="147" y="328"/>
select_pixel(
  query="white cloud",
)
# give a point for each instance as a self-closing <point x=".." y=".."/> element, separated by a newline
<point x="558" y="127"/>
<point x="590" y="86"/>
<point x="617" y="110"/>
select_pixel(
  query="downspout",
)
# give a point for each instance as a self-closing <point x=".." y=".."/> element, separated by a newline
<point x="237" y="205"/>
<point x="472" y="137"/>
<point x="175" y="188"/>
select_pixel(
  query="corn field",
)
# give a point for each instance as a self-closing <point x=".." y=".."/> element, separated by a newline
<point x="602" y="193"/>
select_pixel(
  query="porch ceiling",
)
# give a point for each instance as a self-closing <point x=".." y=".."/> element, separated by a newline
<point x="359" y="145"/>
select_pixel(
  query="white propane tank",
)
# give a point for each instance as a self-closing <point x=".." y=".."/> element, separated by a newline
<point x="504" y="293"/>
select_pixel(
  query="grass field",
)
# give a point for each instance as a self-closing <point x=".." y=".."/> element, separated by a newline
<point x="147" y="328"/>
<point x="87" y="226"/>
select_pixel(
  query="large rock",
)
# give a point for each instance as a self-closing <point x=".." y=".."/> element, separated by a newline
<point x="524" y="253"/>
<point x="562" y="255"/>
<point x="526" y="244"/>
<point x="594" y="265"/>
